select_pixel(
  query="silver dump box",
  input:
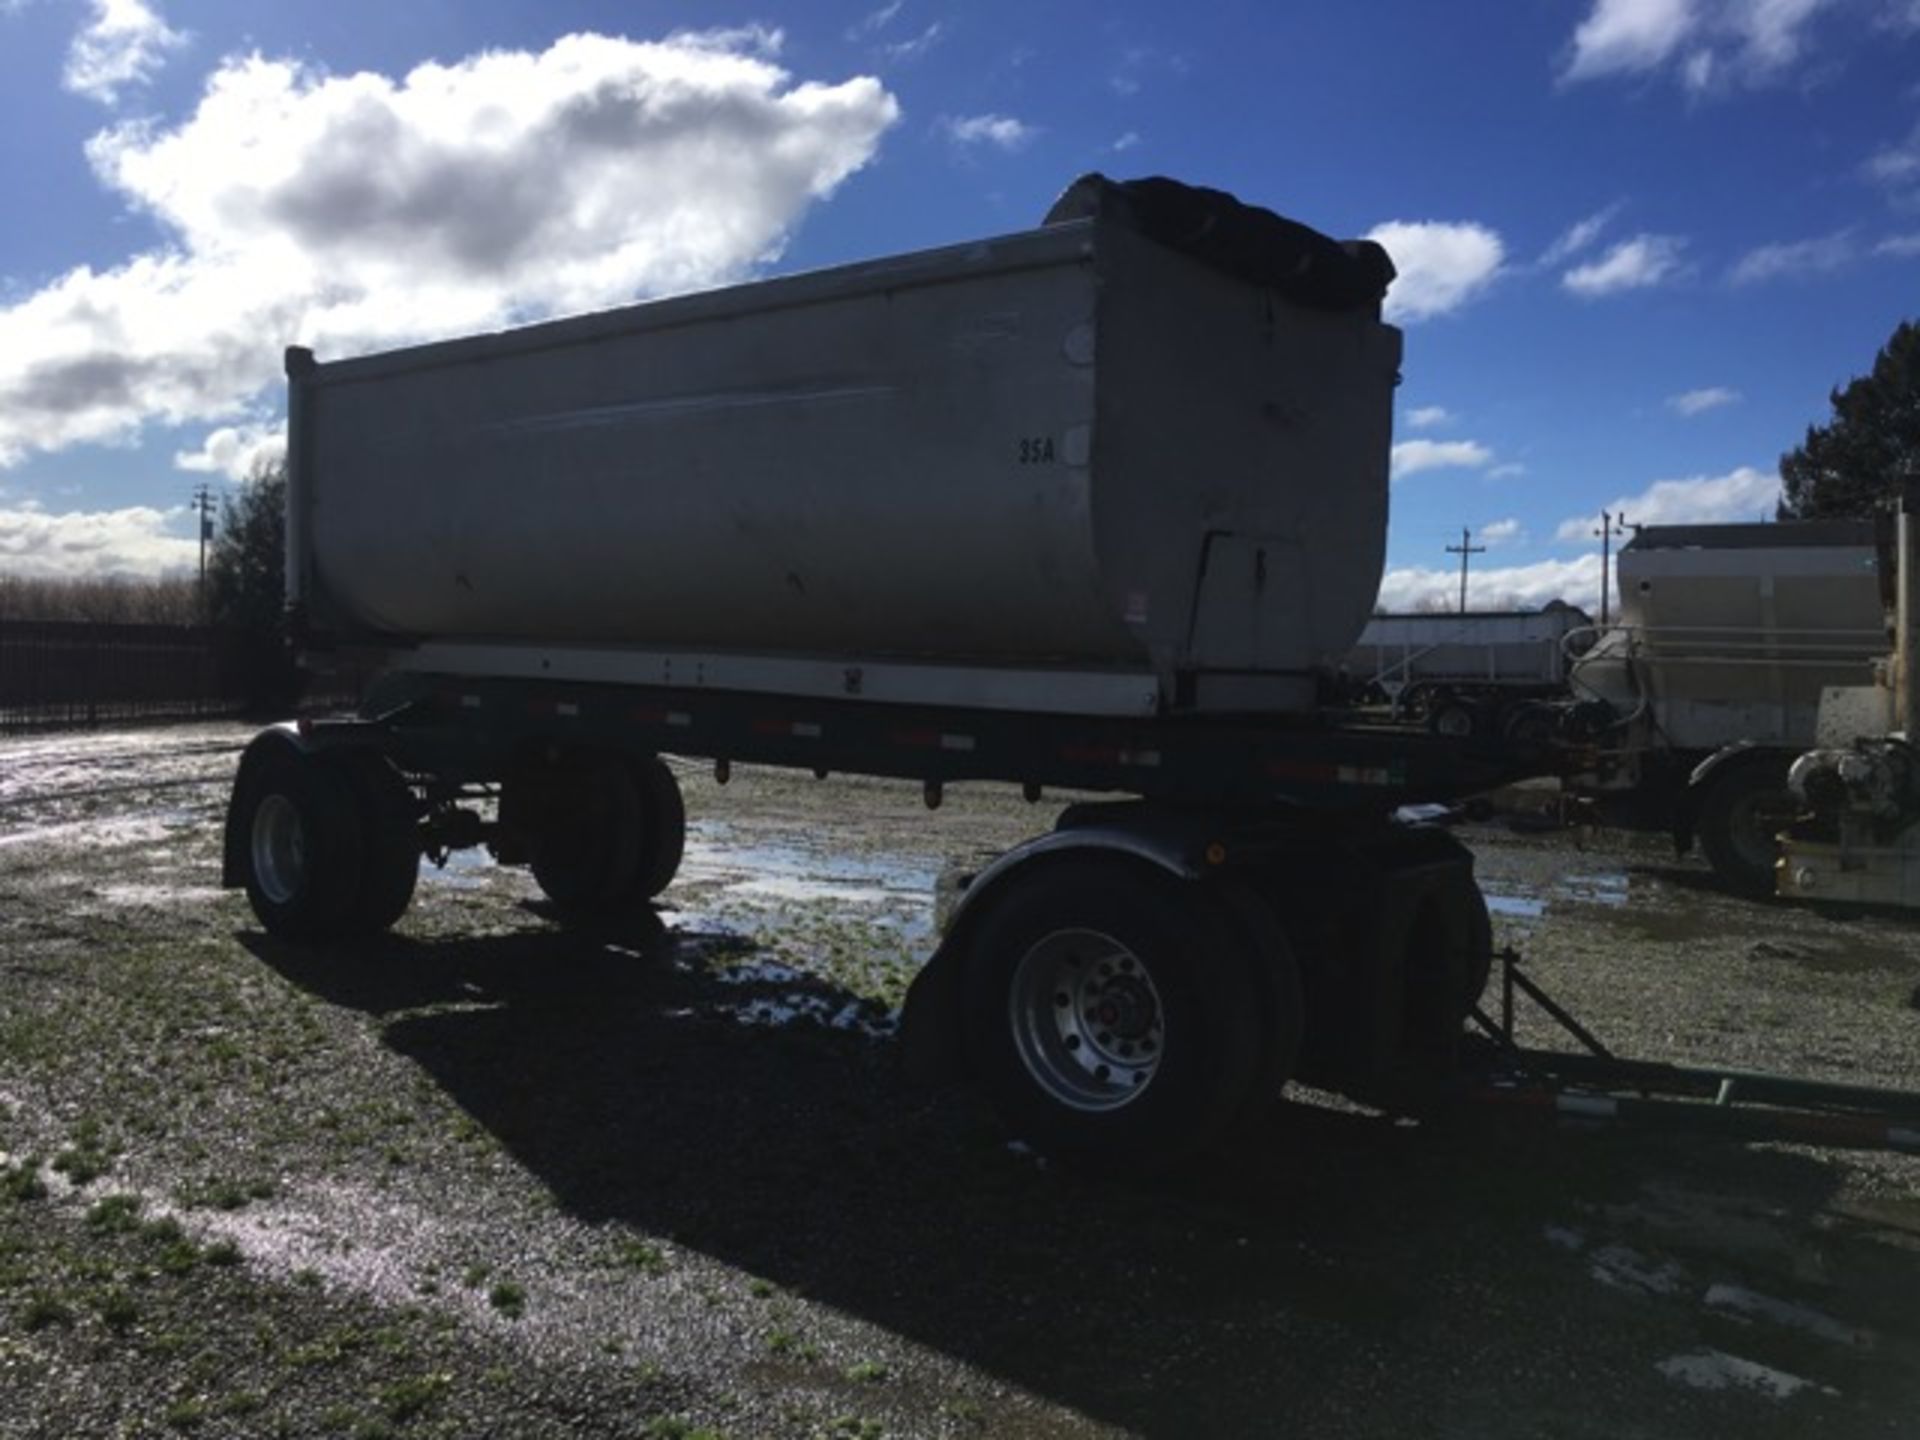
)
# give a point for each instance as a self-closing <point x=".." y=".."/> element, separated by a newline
<point x="1073" y="467"/>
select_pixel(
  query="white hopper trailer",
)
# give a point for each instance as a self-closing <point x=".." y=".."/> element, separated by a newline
<point x="1693" y="706"/>
<point x="1089" y="506"/>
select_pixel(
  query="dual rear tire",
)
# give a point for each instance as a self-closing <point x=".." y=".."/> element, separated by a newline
<point x="327" y="843"/>
<point x="615" y="841"/>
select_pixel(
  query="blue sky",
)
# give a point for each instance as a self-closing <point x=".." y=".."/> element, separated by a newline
<point x="1640" y="240"/>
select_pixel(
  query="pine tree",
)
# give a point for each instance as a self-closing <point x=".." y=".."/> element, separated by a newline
<point x="1858" y="462"/>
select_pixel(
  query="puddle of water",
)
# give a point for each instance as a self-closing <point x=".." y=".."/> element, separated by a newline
<point x="1606" y="889"/>
<point x="893" y="892"/>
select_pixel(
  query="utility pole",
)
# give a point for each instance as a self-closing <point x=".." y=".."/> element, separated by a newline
<point x="1465" y="548"/>
<point x="1610" y="526"/>
<point x="203" y="506"/>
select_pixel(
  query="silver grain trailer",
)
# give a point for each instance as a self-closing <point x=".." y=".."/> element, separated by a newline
<point x="1092" y="506"/>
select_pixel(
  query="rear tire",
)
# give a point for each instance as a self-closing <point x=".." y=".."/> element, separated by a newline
<point x="390" y="843"/>
<point x="1743" y="810"/>
<point x="302" y="847"/>
<point x="663" y="817"/>
<point x="1110" y="1014"/>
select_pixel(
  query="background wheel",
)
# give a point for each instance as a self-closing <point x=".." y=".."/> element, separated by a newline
<point x="389" y="840"/>
<point x="586" y="857"/>
<point x="1110" y="1015"/>
<point x="1743" y="810"/>
<point x="1450" y="715"/>
<point x="663" y="820"/>
<point x="302" y="847"/>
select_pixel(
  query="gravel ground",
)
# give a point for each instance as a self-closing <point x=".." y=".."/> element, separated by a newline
<point x="490" y="1178"/>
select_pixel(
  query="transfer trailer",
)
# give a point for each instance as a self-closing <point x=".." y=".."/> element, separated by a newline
<point x="1093" y="507"/>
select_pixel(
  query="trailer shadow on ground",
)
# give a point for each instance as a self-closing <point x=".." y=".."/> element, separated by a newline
<point x="1302" y="1281"/>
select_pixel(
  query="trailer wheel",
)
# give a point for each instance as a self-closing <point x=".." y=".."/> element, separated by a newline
<point x="390" y="844"/>
<point x="663" y="820"/>
<point x="587" y="857"/>
<point x="1452" y="716"/>
<point x="1743" y="810"/>
<point x="1110" y="1014"/>
<point x="302" y="847"/>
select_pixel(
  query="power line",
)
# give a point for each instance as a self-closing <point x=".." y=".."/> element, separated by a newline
<point x="1464" y="549"/>
<point x="203" y="504"/>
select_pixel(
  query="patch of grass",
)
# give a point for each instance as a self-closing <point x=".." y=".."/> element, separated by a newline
<point x="405" y="1399"/>
<point x="851" y="1427"/>
<point x="43" y="1311"/>
<point x="307" y="1278"/>
<point x="677" y="1427"/>
<point x="240" y="1403"/>
<point x="222" y="1253"/>
<point x="87" y="1157"/>
<point x="780" y="1342"/>
<point x="116" y="1309"/>
<point x="186" y="1414"/>
<point x="867" y="1372"/>
<point x="115" y="1214"/>
<point x="228" y="1194"/>
<point x="641" y="1255"/>
<point x="475" y="1276"/>
<point x="509" y="1299"/>
<point x="762" y="1290"/>
<point x="21" y="1182"/>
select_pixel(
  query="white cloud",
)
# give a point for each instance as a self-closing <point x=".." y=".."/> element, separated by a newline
<point x="1126" y="142"/>
<point x="1411" y="457"/>
<point x="1819" y="256"/>
<point x="1636" y="264"/>
<point x="1443" y="265"/>
<point x="1897" y="165"/>
<point x="1000" y="130"/>
<point x="124" y="44"/>
<point x="901" y="51"/>
<point x="1518" y="587"/>
<point x="355" y="211"/>
<point x="1428" y="417"/>
<point x="874" y="20"/>
<point x="1629" y="36"/>
<point x="1711" y="45"/>
<point x="1742" y="494"/>
<point x="1900" y="247"/>
<point x="1503" y="532"/>
<point x="1510" y="470"/>
<point x="1577" y="237"/>
<point x="93" y="545"/>
<point x="1698" y="402"/>
<point x="236" y="451"/>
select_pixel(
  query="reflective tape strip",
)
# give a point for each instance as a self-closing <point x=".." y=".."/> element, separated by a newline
<point x="956" y="742"/>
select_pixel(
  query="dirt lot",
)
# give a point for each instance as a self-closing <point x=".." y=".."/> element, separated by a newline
<point x="489" y="1178"/>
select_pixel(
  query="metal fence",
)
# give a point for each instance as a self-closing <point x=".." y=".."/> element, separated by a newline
<point x="64" y="674"/>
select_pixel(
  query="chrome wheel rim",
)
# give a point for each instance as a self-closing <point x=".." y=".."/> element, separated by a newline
<point x="1087" y="1020"/>
<point x="279" y="849"/>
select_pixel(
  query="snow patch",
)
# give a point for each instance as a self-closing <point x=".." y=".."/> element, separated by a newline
<point x="1717" y="1370"/>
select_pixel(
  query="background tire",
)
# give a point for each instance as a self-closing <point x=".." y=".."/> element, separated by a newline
<point x="1743" y="809"/>
<point x="389" y="840"/>
<point x="663" y="819"/>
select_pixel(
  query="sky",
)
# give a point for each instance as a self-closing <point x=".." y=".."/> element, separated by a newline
<point x="1639" y="241"/>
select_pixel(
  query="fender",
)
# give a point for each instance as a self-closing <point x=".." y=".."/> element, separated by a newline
<point x="1700" y="779"/>
<point x="1170" y="841"/>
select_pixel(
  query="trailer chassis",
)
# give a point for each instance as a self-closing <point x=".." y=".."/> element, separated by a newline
<point x="1123" y="986"/>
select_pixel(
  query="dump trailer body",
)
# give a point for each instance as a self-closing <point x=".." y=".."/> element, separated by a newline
<point x="1070" y="451"/>
<point x="1525" y="649"/>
